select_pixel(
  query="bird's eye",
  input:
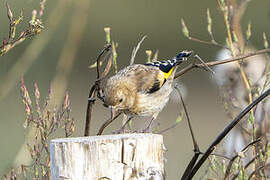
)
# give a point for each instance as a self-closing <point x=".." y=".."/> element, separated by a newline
<point x="120" y="100"/>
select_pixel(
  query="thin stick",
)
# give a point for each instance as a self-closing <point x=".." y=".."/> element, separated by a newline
<point x="214" y="63"/>
<point x="93" y="91"/>
<point x="90" y="103"/>
<point x="205" y="65"/>
<point x="208" y="42"/>
<point x="257" y="170"/>
<point x="135" y="50"/>
<point x="122" y="129"/>
<point x="105" y="49"/>
<point x="196" y="147"/>
<point x="246" y="166"/>
<point x="218" y="155"/>
<point x="168" y="128"/>
<point x="227" y="173"/>
<point x="109" y="121"/>
<point x="220" y="137"/>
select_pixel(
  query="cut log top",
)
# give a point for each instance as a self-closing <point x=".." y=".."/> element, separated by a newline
<point x="107" y="137"/>
<point x="123" y="156"/>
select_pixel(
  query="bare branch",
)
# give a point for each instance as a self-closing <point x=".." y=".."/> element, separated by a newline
<point x="195" y="144"/>
<point x="34" y="27"/>
<point x="214" y="63"/>
<point x="205" y="65"/>
<point x="95" y="89"/>
<point x="225" y="131"/>
<point x="227" y="173"/>
<point x="135" y="50"/>
<point x="187" y="34"/>
<point x="258" y="170"/>
<point x="172" y="126"/>
<point x="107" y="123"/>
<point x="247" y="165"/>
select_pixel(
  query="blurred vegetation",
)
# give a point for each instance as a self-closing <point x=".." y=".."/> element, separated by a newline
<point x="42" y="121"/>
<point x="73" y="35"/>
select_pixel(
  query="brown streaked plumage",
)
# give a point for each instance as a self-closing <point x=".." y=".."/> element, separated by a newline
<point x="142" y="89"/>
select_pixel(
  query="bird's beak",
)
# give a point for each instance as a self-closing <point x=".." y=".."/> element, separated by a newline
<point x="113" y="112"/>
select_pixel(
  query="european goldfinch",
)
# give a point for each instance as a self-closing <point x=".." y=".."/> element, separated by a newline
<point x="142" y="89"/>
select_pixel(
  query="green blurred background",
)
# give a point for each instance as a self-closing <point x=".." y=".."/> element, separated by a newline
<point x="73" y="37"/>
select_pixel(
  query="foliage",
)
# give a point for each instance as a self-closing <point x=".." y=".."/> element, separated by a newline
<point x="239" y="87"/>
<point x="45" y="121"/>
<point x="35" y="26"/>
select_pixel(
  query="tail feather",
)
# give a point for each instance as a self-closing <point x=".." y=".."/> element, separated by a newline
<point x="167" y="65"/>
<point x="183" y="55"/>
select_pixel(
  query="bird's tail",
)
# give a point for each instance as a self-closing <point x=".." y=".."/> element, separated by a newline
<point x="182" y="56"/>
<point x="167" y="65"/>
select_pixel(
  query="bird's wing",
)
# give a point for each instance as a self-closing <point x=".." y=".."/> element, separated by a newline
<point x="148" y="79"/>
<point x="152" y="81"/>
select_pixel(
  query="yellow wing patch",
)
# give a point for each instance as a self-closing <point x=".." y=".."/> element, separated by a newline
<point x="166" y="75"/>
<point x="162" y="76"/>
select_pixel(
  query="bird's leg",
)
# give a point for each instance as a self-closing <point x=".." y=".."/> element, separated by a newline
<point x="124" y="121"/>
<point x="148" y="129"/>
<point x="123" y="127"/>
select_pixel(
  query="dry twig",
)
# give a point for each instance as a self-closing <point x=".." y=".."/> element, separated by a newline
<point x="214" y="63"/>
<point x="219" y="138"/>
<point x="35" y="26"/>
<point x="95" y="90"/>
<point x="135" y="50"/>
<point x="227" y="173"/>
<point x="106" y="123"/>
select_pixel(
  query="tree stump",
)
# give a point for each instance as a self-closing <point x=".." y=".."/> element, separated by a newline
<point x="109" y="157"/>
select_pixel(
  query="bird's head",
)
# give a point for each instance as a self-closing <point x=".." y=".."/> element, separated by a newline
<point x="119" y="94"/>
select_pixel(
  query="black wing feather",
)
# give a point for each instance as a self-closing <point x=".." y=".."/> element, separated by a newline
<point x="156" y="86"/>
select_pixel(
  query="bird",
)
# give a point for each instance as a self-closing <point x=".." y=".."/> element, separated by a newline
<point x="142" y="89"/>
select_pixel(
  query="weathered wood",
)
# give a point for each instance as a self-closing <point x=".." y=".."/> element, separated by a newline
<point x="111" y="157"/>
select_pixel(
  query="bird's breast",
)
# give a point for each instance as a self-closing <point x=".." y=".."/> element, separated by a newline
<point x="148" y="104"/>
